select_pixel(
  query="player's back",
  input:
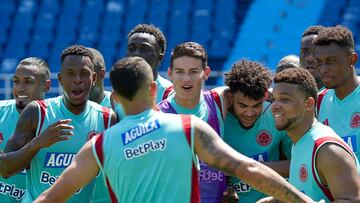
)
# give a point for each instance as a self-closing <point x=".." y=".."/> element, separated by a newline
<point x="148" y="158"/>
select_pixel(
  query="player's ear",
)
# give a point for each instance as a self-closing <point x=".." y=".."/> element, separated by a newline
<point x="153" y="89"/>
<point x="310" y="104"/>
<point x="47" y="85"/>
<point x="59" y="78"/>
<point x="207" y="72"/>
<point x="170" y="73"/>
<point x="354" y="58"/>
<point x="94" y="78"/>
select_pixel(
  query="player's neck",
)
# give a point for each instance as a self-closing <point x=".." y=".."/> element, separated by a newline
<point x="187" y="103"/>
<point x="347" y="87"/>
<point x="134" y="107"/>
<point x="137" y="105"/>
<point x="74" y="109"/>
<point x="304" y="126"/>
<point x="97" y="94"/>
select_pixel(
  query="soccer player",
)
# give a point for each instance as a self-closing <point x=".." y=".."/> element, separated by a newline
<point x="149" y="43"/>
<point x="50" y="132"/>
<point x="151" y="156"/>
<point x="307" y="51"/>
<point x="31" y="81"/>
<point x="102" y="97"/>
<point x="322" y="165"/>
<point x="188" y="71"/>
<point x="250" y="126"/>
<point x="339" y="107"/>
<point x="97" y="93"/>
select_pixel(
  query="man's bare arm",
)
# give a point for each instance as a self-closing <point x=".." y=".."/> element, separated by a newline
<point x="218" y="154"/>
<point x="80" y="172"/>
<point x="339" y="174"/>
<point x="281" y="167"/>
<point x="23" y="145"/>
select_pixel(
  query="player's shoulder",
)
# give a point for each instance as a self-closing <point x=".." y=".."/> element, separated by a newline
<point x="97" y="107"/>
<point x="267" y="109"/>
<point x="6" y="104"/>
<point x="107" y="94"/>
<point x="56" y="101"/>
<point x="220" y="90"/>
<point x="163" y="82"/>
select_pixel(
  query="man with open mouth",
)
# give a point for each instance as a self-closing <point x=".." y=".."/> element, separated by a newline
<point x="188" y="71"/>
<point x="51" y="131"/>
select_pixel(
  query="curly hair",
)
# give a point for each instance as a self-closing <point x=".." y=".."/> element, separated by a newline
<point x="191" y="49"/>
<point x="78" y="50"/>
<point x="128" y="74"/>
<point x="152" y="30"/>
<point x="249" y="77"/>
<point x="300" y="77"/>
<point x="342" y="36"/>
<point x="312" y="30"/>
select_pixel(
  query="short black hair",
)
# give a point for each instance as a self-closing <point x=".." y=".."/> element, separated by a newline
<point x="191" y="49"/>
<point x="312" y="30"/>
<point x="128" y="74"/>
<point x="249" y="77"/>
<point x="99" y="62"/>
<point x="340" y="35"/>
<point x="41" y="64"/>
<point x="78" y="50"/>
<point x="300" y="77"/>
<point x="152" y="30"/>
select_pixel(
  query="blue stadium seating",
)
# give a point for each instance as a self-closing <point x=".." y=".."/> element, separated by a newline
<point x="226" y="28"/>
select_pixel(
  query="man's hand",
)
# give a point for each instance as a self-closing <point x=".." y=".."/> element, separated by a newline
<point x="230" y="196"/>
<point x="58" y="131"/>
<point x="267" y="200"/>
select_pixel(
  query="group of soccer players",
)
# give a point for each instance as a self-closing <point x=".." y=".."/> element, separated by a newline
<point x="229" y="144"/>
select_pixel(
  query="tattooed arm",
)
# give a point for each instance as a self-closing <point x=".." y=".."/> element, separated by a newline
<point x="211" y="149"/>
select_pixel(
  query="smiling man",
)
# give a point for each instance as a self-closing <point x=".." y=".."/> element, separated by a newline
<point x="249" y="125"/>
<point x="322" y="165"/>
<point x="31" y="81"/>
<point x="43" y="141"/>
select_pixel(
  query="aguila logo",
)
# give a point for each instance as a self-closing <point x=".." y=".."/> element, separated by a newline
<point x="303" y="173"/>
<point x="355" y="120"/>
<point x="92" y="134"/>
<point x="263" y="138"/>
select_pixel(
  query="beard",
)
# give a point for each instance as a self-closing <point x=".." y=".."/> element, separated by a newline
<point x="285" y="126"/>
<point x="20" y="105"/>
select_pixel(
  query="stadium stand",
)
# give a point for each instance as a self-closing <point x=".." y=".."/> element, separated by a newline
<point x="229" y="30"/>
